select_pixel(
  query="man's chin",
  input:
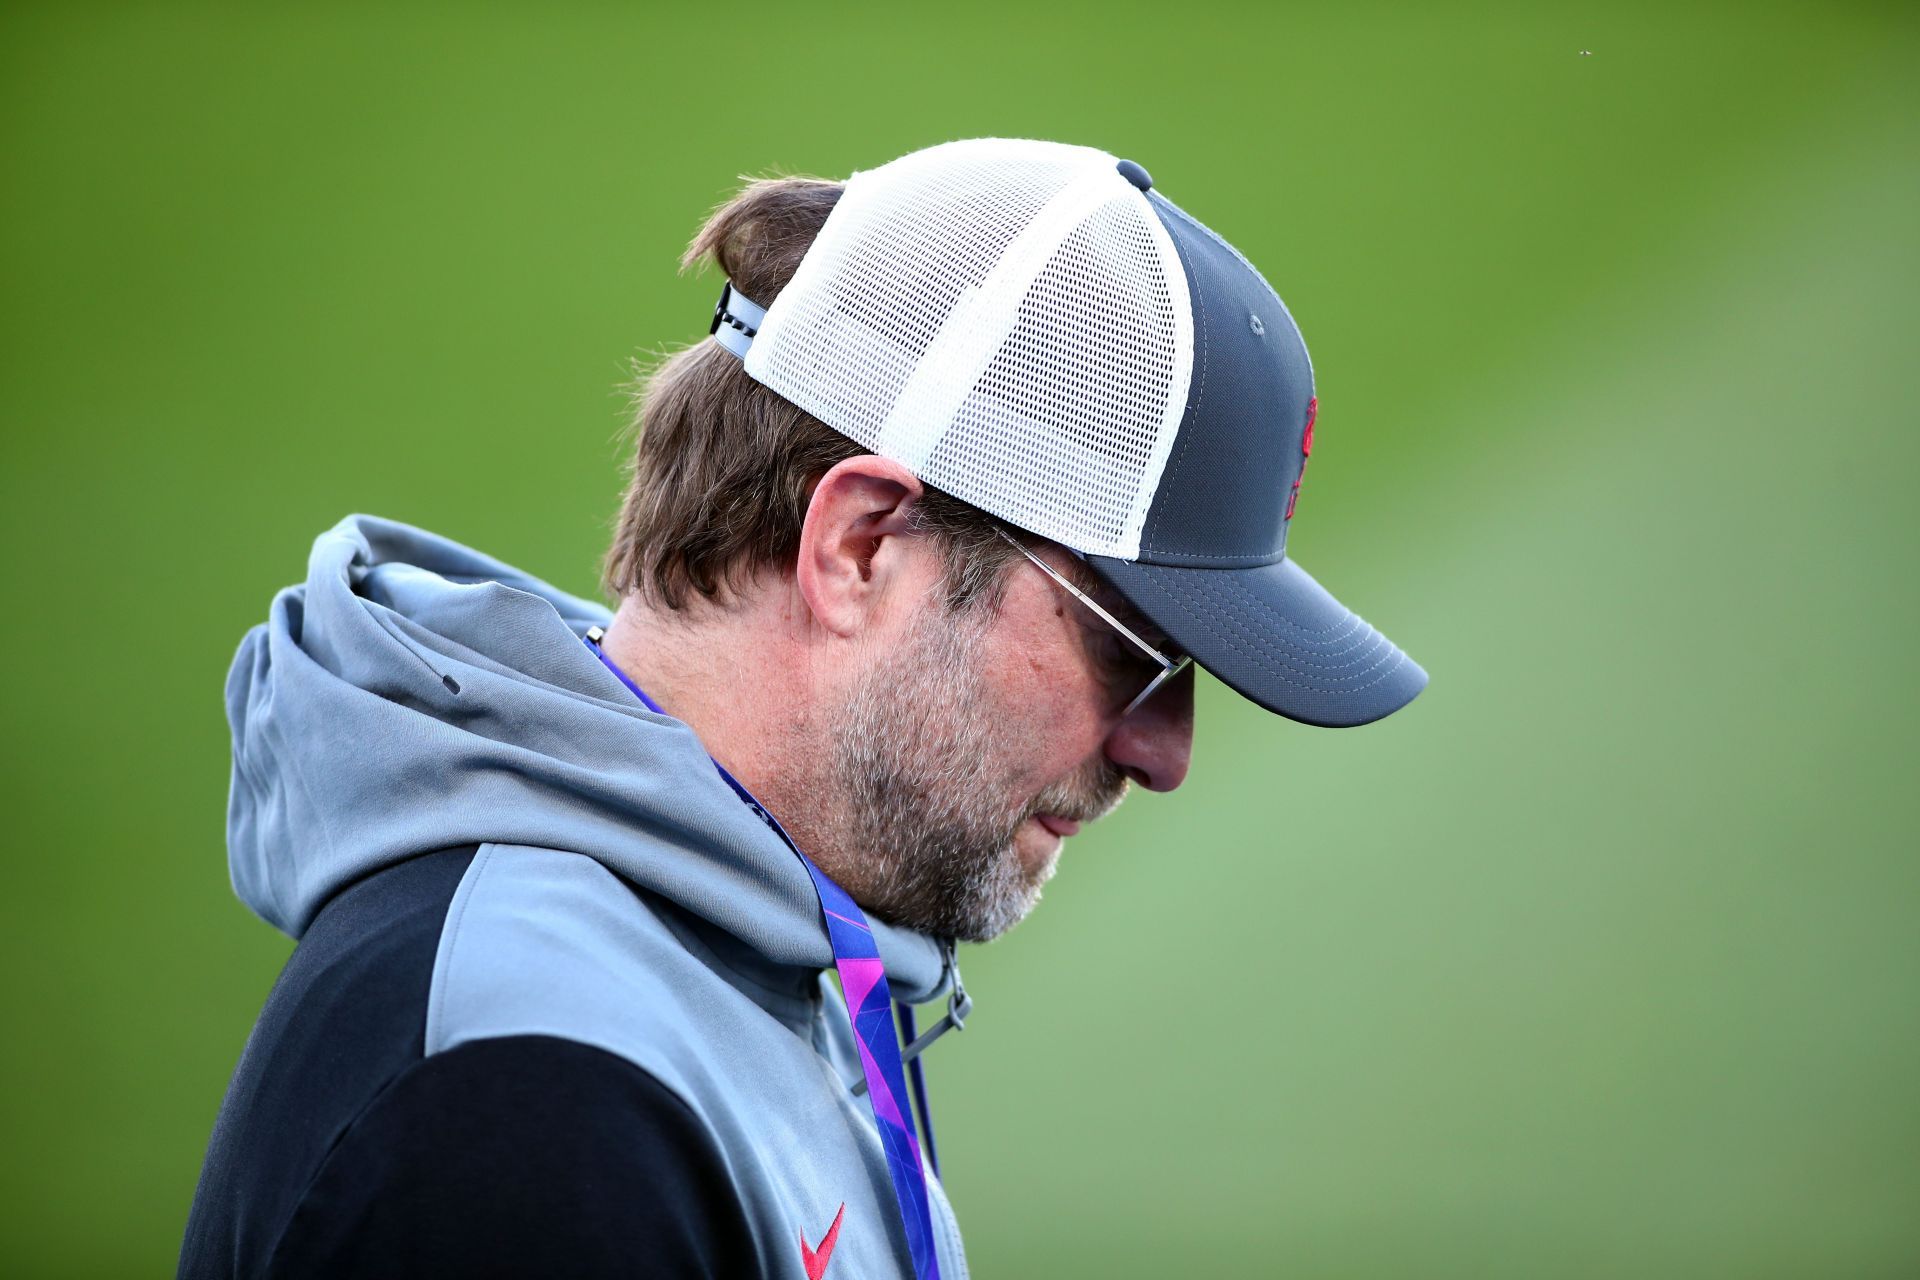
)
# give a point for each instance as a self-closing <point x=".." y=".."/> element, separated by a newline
<point x="997" y="918"/>
<point x="1031" y="859"/>
<point x="982" y="895"/>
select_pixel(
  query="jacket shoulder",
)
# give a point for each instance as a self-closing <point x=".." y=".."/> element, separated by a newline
<point x="548" y="942"/>
<point x="343" y="1020"/>
<point x="517" y="1156"/>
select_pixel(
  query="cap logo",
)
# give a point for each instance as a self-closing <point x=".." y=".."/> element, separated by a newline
<point x="1306" y="452"/>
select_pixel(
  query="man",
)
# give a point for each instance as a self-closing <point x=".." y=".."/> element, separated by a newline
<point x="986" y="443"/>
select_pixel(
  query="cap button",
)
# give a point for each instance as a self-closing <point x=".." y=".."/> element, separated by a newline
<point x="1135" y="174"/>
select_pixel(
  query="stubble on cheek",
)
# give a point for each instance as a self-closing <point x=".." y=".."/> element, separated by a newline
<point x="934" y="834"/>
<point x="928" y="820"/>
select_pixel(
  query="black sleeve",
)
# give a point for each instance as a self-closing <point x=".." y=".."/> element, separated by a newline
<point x="527" y="1155"/>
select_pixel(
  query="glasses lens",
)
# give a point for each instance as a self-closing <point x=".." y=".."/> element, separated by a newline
<point x="1166" y="674"/>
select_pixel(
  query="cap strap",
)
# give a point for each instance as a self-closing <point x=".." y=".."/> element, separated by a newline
<point x="736" y="319"/>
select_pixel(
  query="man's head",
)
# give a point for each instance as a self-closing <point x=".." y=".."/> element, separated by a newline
<point x="933" y="715"/>
<point x="966" y="741"/>
<point x="977" y="353"/>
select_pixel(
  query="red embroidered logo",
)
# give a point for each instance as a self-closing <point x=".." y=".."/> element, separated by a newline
<point x="1306" y="451"/>
<point x="816" y="1261"/>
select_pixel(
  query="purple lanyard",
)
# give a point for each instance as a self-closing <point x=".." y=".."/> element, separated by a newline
<point x="863" y="980"/>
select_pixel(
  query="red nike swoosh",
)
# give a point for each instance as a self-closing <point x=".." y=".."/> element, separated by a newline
<point x="816" y="1262"/>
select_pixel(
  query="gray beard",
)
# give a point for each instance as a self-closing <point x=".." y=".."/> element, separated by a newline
<point x="927" y="831"/>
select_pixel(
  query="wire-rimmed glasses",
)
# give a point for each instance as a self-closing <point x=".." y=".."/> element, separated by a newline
<point x="1169" y="666"/>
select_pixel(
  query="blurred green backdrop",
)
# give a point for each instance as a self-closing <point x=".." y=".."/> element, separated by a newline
<point x="1600" y="960"/>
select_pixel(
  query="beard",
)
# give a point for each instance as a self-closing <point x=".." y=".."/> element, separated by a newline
<point x="927" y="836"/>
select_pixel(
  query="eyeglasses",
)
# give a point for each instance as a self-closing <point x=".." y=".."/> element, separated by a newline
<point x="1169" y="667"/>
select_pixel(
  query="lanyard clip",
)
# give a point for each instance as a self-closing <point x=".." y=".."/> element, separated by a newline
<point x="959" y="1006"/>
<point x="959" y="1003"/>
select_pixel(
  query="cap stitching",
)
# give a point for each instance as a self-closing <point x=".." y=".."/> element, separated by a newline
<point x="1298" y="678"/>
<point x="1356" y="626"/>
<point x="1330" y="671"/>
<point x="1258" y="557"/>
<point x="1366" y="640"/>
<point x="1207" y="589"/>
<point x="1180" y="448"/>
<point x="1231" y="629"/>
<point x="1220" y="240"/>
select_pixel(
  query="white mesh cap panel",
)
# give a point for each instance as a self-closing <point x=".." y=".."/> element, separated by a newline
<point x="1007" y="318"/>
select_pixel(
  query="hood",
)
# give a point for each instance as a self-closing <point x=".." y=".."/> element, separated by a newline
<point x="414" y="694"/>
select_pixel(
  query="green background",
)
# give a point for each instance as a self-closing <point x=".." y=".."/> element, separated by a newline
<point x="1600" y="960"/>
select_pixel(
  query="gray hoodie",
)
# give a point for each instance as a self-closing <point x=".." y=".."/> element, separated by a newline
<point x="414" y="695"/>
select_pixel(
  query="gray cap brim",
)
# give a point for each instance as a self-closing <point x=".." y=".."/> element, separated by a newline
<point x="1276" y="637"/>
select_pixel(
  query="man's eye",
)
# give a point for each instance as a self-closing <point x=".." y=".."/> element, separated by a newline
<point x="1106" y="646"/>
<point x="1120" y="658"/>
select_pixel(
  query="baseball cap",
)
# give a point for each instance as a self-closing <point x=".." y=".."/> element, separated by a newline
<point x="1033" y="328"/>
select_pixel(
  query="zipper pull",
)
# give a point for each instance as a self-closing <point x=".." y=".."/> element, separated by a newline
<point x="959" y="1006"/>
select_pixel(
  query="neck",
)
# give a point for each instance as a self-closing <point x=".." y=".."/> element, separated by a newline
<point x="738" y="675"/>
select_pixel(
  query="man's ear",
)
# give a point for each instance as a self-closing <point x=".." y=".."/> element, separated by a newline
<point x="854" y="542"/>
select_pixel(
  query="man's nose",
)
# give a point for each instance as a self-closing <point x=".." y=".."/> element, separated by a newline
<point x="1154" y="745"/>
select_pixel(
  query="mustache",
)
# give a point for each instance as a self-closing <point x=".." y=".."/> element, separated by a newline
<point x="1085" y="799"/>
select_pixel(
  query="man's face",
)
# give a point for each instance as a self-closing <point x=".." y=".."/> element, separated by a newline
<point x="975" y="742"/>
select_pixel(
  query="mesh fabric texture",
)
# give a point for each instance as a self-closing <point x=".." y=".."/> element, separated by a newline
<point x="1008" y="319"/>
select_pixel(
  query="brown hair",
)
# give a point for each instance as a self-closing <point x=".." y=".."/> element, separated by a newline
<point x="723" y="469"/>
